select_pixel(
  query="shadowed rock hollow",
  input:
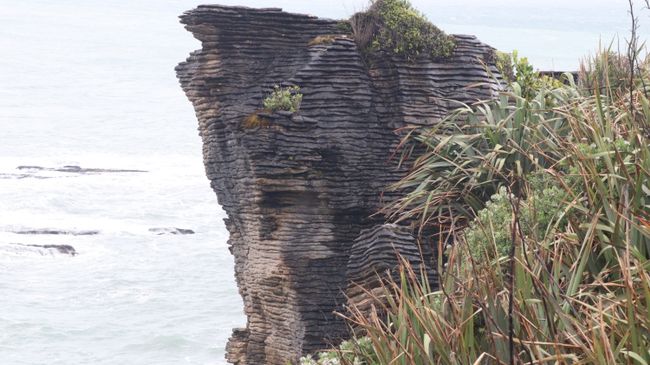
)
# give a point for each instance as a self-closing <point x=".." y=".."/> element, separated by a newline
<point x="300" y="191"/>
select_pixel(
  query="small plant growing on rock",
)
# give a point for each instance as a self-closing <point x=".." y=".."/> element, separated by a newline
<point x="322" y="39"/>
<point x="395" y="27"/>
<point x="283" y="98"/>
<point x="255" y="120"/>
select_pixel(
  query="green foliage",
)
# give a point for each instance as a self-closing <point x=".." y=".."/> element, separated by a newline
<point x="570" y="169"/>
<point x="525" y="75"/>
<point x="284" y="98"/>
<point x="473" y="151"/>
<point x="518" y="70"/>
<point x="605" y="71"/>
<point x="395" y="27"/>
<point x="344" y="26"/>
<point x="353" y="352"/>
<point x="489" y="236"/>
<point x="504" y="64"/>
<point x="541" y="213"/>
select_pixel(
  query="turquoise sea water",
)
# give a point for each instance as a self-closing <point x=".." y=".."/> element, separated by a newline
<point x="91" y="84"/>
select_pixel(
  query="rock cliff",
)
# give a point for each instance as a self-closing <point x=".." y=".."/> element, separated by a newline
<point x="300" y="190"/>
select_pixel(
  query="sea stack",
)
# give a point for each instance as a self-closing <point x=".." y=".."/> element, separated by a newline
<point x="301" y="189"/>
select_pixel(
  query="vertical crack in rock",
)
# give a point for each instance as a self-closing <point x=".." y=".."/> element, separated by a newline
<point x="301" y="191"/>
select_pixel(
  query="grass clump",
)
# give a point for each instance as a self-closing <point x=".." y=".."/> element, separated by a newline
<point x="395" y="27"/>
<point x="255" y="120"/>
<point x="283" y="98"/>
<point x="322" y="39"/>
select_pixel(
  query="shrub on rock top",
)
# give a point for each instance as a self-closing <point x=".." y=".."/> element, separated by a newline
<point x="395" y="27"/>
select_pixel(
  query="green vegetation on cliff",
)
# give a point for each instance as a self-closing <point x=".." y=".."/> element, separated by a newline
<point x="545" y="193"/>
<point x="283" y="98"/>
<point x="395" y="27"/>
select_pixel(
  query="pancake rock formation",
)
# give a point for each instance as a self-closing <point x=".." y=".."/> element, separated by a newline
<point x="301" y="189"/>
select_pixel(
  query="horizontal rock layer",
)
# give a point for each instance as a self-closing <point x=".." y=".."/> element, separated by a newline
<point x="374" y="256"/>
<point x="301" y="189"/>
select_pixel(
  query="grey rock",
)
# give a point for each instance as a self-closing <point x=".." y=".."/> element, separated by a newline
<point x="376" y="254"/>
<point x="171" y="230"/>
<point x="301" y="192"/>
<point x="76" y="169"/>
<point x="43" y="250"/>
<point x="54" y="231"/>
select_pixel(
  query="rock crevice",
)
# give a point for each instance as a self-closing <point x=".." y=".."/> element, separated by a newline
<point x="300" y="192"/>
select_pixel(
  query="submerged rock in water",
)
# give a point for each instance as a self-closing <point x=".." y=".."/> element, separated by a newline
<point x="8" y="176"/>
<point x="300" y="189"/>
<point x="43" y="250"/>
<point x="76" y="169"/>
<point x="55" y="231"/>
<point x="170" y="230"/>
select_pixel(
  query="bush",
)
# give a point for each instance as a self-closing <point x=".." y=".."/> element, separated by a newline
<point x="395" y="27"/>
<point x="503" y="62"/>
<point x="284" y="98"/>
<point x="514" y="69"/>
<point x="542" y="213"/>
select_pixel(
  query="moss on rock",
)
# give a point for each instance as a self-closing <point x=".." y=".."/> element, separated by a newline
<point x="255" y="120"/>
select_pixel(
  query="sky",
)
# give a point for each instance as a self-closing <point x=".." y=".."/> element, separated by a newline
<point x="553" y="34"/>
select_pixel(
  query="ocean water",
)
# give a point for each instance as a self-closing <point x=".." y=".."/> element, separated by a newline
<point x="91" y="84"/>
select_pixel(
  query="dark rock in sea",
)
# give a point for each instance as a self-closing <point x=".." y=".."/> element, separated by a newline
<point x="57" y="232"/>
<point x="300" y="189"/>
<point x="7" y="176"/>
<point x="44" y="250"/>
<point x="76" y="169"/>
<point x="170" y="230"/>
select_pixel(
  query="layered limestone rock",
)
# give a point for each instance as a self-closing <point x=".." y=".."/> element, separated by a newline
<point x="300" y="191"/>
<point x="375" y="254"/>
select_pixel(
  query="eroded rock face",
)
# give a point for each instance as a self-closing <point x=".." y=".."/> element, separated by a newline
<point x="376" y="253"/>
<point x="300" y="191"/>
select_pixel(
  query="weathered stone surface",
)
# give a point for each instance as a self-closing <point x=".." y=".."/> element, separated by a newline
<point x="300" y="193"/>
<point x="375" y="254"/>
